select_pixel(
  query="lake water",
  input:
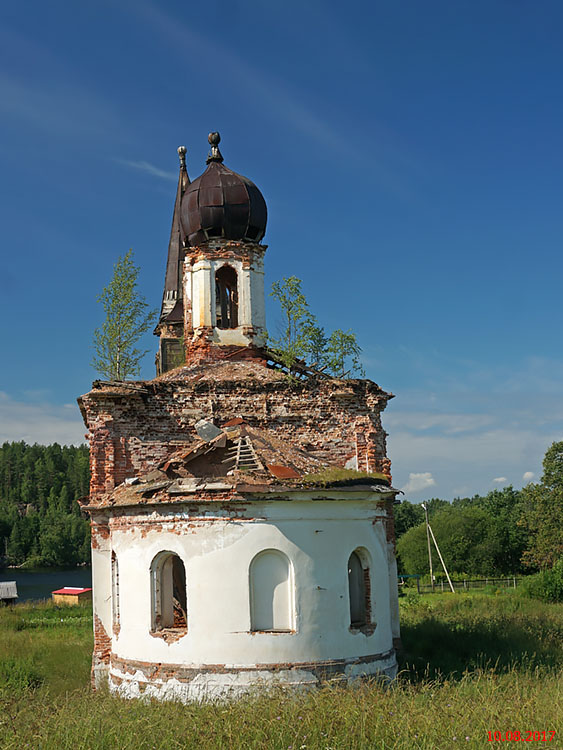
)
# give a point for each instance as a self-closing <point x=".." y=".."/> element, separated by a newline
<point x="38" y="584"/>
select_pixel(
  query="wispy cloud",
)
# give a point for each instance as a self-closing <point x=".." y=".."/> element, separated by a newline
<point x="449" y="424"/>
<point x="251" y="81"/>
<point x="148" y="168"/>
<point x="282" y="101"/>
<point x="527" y="476"/>
<point x="56" y="107"/>
<point x="500" y="480"/>
<point x="39" y="422"/>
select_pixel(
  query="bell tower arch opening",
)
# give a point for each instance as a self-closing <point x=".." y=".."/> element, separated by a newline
<point x="226" y="297"/>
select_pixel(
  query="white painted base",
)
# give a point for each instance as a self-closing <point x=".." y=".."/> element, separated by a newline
<point x="217" y="686"/>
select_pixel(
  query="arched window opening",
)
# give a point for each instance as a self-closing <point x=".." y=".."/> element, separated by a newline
<point x="226" y="298"/>
<point x="168" y="593"/>
<point x="271" y="592"/>
<point x="115" y="615"/>
<point x="359" y="587"/>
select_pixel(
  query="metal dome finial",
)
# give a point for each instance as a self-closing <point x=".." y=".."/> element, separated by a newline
<point x="215" y="154"/>
<point x="182" y="154"/>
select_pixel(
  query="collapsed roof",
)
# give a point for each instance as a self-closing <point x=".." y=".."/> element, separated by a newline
<point x="238" y="459"/>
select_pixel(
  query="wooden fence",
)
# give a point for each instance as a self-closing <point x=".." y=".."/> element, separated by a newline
<point x="509" y="582"/>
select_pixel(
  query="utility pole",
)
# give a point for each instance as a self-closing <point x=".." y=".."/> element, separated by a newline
<point x="429" y="544"/>
<point x="442" y="560"/>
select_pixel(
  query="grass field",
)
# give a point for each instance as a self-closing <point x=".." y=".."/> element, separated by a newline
<point x="471" y="664"/>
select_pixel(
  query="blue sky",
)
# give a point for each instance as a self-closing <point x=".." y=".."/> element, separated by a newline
<point x="410" y="155"/>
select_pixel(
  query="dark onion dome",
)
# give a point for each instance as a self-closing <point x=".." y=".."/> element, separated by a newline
<point x="222" y="204"/>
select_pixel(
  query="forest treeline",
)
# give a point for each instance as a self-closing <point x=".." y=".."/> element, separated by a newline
<point x="505" y="532"/>
<point x="40" y="520"/>
<point x="478" y="536"/>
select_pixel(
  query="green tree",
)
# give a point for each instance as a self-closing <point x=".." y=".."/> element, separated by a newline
<point x="407" y="515"/>
<point x="292" y="342"/>
<point x="508" y="538"/>
<point x="36" y="482"/>
<point x="23" y="538"/>
<point x="302" y="337"/>
<point x="59" y="545"/>
<point x="468" y="542"/>
<point x="315" y="343"/>
<point x="63" y="502"/>
<point x="542" y="512"/>
<point x="127" y="319"/>
<point x="343" y="354"/>
<point x="552" y="478"/>
<point x="435" y="505"/>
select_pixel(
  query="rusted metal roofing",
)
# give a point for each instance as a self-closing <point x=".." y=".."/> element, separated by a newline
<point x="176" y="315"/>
<point x="234" y="422"/>
<point x="173" y="280"/>
<point x="282" y="472"/>
<point x="222" y="204"/>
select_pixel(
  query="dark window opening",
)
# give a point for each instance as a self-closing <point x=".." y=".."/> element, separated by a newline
<point x="359" y="589"/>
<point x="169" y="600"/>
<point x="226" y="298"/>
<point x="171" y="353"/>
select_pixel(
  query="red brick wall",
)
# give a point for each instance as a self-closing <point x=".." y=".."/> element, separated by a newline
<point x="132" y="430"/>
<point x="102" y="647"/>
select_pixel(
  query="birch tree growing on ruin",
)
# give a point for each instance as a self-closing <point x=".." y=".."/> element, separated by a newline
<point x="127" y="319"/>
<point x="292" y="342"/>
<point x="301" y="336"/>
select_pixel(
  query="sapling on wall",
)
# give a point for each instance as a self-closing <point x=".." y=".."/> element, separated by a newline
<point x="302" y="338"/>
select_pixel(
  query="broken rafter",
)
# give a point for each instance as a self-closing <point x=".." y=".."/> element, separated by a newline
<point x="298" y="368"/>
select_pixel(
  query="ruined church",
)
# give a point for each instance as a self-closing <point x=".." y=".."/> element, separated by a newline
<point x="227" y="553"/>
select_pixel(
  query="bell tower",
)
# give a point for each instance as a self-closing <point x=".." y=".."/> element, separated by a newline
<point x="214" y="306"/>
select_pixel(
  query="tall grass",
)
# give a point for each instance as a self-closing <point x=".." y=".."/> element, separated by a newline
<point x="495" y="664"/>
<point x="56" y="641"/>
<point x="447" y="634"/>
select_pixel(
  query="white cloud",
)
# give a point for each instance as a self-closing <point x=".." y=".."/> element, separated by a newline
<point x="418" y="482"/>
<point x="145" y="166"/>
<point x="527" y="476"/>
<point x="500" y="480"/>
<point x="39" y="422"/>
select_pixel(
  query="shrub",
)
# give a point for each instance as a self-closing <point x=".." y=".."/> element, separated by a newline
<point x="546" y="585"/>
